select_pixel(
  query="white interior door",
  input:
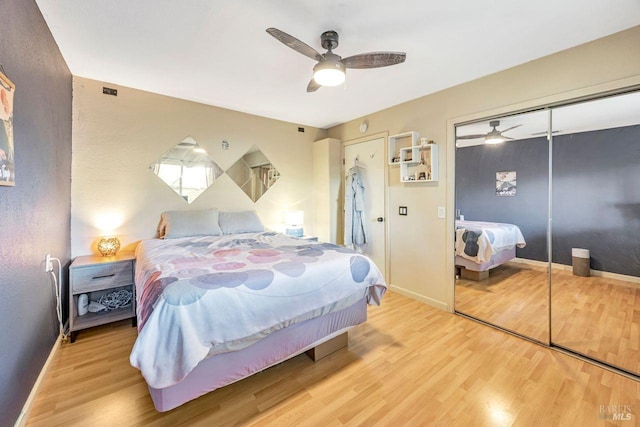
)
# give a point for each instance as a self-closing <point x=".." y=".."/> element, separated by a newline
<point x="371" y="160"/>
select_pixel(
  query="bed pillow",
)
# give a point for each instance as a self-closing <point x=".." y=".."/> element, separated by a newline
<point x="240" y="222"/>
<point x="189" y="223"/>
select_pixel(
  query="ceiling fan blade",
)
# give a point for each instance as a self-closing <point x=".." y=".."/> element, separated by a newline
<point x="295" y="44"/>
<point x="374" y="59"/>
<point x="482" y="135"/>
<point x="313" y="86"/>
<point x="544" y="132"/>
<point x="512" y="127"/>
<point x="507" y="137"/>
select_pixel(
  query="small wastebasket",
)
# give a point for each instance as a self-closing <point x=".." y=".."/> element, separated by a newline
<point x="580" y="259"/>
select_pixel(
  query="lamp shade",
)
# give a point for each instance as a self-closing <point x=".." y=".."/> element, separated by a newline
<point x="108" y="246"/>
<point x="330" y="72"/>
<point x="294" y="217"/>
<point x="294" y="221"/>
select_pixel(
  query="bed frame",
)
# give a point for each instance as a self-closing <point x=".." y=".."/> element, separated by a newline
<point x="470" y="270"/>
<point x="317" y="337"/>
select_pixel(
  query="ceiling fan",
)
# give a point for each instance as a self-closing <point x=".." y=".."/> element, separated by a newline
<point x="494" y="136"/>
<point x="331" y="68"/>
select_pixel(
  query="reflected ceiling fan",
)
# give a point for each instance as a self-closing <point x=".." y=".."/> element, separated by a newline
<point x="331" y="68"/>
<point x="495" y="136"/>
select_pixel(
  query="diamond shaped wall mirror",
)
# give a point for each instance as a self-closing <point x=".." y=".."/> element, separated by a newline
<point x="254" y="173"/>
<point x="187" y="169"/>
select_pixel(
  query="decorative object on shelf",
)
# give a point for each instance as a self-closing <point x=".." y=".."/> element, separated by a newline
<point x="116" y="299"/>
<point x="96" y="307"/>
<point x="108" y="246"/>
<point x="364" y="126"/>
<point x="417" y="157"/>
<point x="294" y="220"/>
<point x="7" y="163"/>
<point x="83" y="304"/>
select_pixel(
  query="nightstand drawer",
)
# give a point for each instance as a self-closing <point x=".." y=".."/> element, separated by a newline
<point x="96" y="277"/>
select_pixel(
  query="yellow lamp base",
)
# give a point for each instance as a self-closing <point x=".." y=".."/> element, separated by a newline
<point x="108" y="246"/>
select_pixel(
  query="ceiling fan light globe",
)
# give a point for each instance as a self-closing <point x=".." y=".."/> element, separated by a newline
<point x="493" y="140"/>
<point x="329" y="77"/>
<point x="329" y="73"/>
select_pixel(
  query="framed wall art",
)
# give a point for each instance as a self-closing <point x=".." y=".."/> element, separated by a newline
<point x="7" y="162"/>
<point x="506" y="183"/>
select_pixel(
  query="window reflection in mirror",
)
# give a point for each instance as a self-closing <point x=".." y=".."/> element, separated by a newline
<point x="254" y="173"/>
<point x="187" y="169"/>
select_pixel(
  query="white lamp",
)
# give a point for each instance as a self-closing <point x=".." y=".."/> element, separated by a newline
<point x="330" y="72"/>
<point x="294" y="220"/>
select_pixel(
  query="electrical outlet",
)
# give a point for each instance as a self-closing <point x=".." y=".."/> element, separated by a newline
<point x="48" y="266"/>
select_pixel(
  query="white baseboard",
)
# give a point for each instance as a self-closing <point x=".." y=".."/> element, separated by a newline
<point x="430" y="301"/>
<point x="22" y="418"/>
<point x="594" y="273"/>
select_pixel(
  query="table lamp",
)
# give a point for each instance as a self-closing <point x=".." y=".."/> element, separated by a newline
<point x="108" y="246"/>
<point x="294" y="220"/>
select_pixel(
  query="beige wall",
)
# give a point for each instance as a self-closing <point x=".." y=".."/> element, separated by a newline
<point x="327" y="172"/>
<point x="115" y="139"/>
<point x="421" y="244"/>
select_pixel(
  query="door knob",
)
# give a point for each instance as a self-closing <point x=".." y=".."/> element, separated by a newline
<point x="380" y="219"/>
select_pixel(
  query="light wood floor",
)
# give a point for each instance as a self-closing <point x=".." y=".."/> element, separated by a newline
<point x="514" y="297"/>
<point x="594" y="316"/>
<point x="410" y="364"/>
<point x="597" y="317"/>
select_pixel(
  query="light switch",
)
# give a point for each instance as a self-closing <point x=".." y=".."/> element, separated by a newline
<point x="402" y="210"/>
<point x="441" y="211"/>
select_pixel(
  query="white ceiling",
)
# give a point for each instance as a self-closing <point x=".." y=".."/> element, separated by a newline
<point x="218" y="53"/>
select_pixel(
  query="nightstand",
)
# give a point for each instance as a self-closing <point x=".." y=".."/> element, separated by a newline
<point x="96" y="276"/>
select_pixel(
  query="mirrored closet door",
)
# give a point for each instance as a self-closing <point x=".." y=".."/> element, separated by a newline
<point x="502" y="211"/>
<point x="568" y="178"/>
<point x="595" y="296"/>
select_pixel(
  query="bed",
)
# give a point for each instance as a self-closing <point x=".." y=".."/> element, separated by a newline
<point x="481" y="246"/>
<point x="216" y="308"/>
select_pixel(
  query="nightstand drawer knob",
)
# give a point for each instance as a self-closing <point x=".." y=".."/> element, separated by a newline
<point x="103" y="277"/>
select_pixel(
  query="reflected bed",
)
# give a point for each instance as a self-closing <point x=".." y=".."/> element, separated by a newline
<point x="481" y="246"/>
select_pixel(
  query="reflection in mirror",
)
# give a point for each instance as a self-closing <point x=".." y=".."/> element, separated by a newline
<point x="254" y="173"/>
<point x="187" y="169"/>
<point x="595" y="291"/>
<point x="502" y="192"/>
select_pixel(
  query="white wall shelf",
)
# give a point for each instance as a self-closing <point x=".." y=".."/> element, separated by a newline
<point x="399" y="141"/>
<point x="418" y="159"/>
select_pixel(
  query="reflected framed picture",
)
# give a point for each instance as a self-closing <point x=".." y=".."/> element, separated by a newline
<point x="7" y="162"/>
<point x="506" y="183"/>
